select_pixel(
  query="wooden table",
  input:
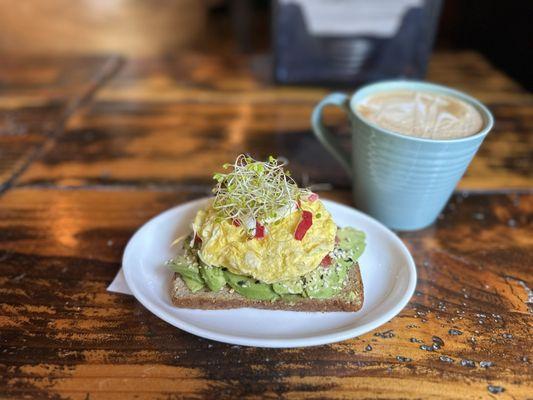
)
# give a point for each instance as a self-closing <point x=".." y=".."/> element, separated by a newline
<point x="81" y="170"/>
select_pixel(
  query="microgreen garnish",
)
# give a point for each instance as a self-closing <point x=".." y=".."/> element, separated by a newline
<point x="255" y="191"/>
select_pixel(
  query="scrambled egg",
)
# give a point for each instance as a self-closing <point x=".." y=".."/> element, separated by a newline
<point x="276" y="257"/>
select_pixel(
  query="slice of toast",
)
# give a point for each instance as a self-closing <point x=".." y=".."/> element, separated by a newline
<point x="224" y="299"/>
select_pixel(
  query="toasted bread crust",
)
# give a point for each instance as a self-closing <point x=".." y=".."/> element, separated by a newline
<point x="224" y="299"/>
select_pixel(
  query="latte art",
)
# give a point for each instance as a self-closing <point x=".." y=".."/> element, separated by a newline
<point x="421" y="114"/>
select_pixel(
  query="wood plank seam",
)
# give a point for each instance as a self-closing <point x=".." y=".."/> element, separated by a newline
<point x="107" y="71"/>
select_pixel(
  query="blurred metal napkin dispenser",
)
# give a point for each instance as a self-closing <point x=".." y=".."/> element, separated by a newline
<point x="352" y="41"/>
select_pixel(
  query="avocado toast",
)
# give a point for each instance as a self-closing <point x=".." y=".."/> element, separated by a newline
<point x="263" y="242"/>
<point x="334" y="287"/>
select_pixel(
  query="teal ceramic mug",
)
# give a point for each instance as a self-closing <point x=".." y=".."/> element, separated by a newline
<point x="403" y="181"/>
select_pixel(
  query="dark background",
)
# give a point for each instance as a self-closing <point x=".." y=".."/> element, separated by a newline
<point x="502" y="30"/>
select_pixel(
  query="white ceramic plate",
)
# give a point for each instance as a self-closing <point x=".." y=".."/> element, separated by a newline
<point x="387" y="269"/>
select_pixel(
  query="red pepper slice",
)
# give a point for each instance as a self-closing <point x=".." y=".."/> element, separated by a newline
<point x="236" y="222"/>
<point x="197" y="239"/>
<point x="326" y="261"/>
<point x="259" y="230"/>
<point x="304" y="225"/>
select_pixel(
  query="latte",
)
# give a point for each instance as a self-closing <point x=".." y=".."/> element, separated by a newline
<point x="421" y="114"/>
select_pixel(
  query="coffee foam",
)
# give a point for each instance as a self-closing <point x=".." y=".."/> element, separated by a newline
<point x="421" y="114"/>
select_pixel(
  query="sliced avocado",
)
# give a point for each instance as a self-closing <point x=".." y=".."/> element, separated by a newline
<point x="194" y="285"/>
<point x="248" y="287"/>
<point x="190" y="273"/>
<point x="213" y="277"/>
<point x="288" y="287"/>
<point x="324" y="283"/>
<point x="345" y="263"/>
<point x="352" y="241"/>
<point x="292" y="298"/>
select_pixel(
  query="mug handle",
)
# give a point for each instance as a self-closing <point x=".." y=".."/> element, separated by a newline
<point x="330" y="142"/>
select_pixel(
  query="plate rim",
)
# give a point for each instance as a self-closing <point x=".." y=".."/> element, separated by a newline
<point x="274" y="343"/>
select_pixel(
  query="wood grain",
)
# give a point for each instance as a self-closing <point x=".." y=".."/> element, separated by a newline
<point x="221" y="76"/>
<point x="64" y="336"/>
<point x="37" y="94"/>
<point x="173" y="122"/>
<point x="471" y="72"/>
<point x="150" y="140"/>
<point x="127" y="27"/>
